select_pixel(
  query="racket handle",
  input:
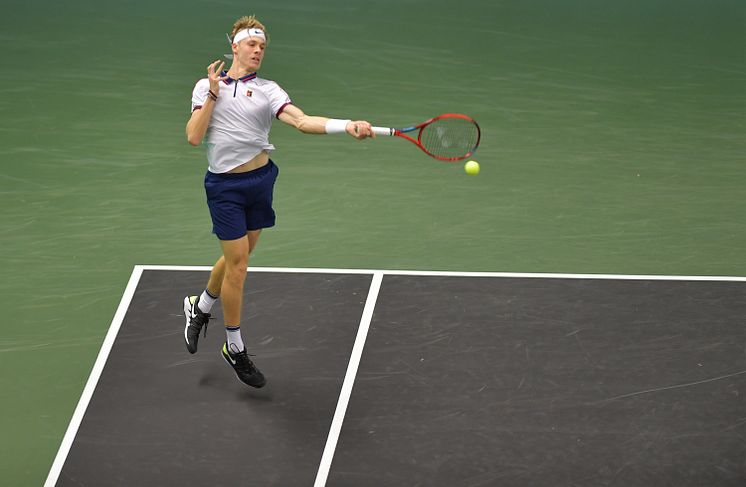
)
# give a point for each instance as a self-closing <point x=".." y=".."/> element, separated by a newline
<point x="382" y="131"/>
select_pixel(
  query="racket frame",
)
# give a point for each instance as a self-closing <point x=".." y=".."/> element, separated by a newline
<point x="418" y="142"/>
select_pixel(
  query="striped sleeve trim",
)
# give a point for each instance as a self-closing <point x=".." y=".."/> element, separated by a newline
<point x="282" y="108"/>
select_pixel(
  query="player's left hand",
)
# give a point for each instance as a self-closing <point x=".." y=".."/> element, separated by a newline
<point x="360" y="129"/>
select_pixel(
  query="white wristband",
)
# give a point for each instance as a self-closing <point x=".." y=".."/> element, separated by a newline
<point x="336" y="126"/>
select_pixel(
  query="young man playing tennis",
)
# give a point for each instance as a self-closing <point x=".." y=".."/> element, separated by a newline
<point x="232" y="112"/>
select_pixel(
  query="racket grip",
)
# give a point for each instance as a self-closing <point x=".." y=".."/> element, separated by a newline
<point x="382" y="131"/>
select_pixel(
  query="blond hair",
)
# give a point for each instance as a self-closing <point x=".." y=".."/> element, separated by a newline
<point x="248" y="22"/>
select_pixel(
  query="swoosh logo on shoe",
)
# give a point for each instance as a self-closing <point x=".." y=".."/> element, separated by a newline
<point x="230" y="359"/>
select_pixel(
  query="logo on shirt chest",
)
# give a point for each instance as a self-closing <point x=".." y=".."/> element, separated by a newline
<point x="249" y="93"/>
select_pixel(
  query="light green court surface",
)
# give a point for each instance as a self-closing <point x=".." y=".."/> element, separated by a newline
<point x="613" y="142"/>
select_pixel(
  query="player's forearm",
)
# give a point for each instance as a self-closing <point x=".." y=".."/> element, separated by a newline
<point x="310" y="124"/>
<point x="197" y="126"/>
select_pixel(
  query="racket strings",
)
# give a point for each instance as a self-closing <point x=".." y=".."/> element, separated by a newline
<point x="450" y="138"/>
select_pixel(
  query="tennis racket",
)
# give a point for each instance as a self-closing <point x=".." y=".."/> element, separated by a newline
<point x="447" y="137"/>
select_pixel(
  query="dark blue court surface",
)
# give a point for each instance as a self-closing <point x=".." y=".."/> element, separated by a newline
<point x="464" y="380"/>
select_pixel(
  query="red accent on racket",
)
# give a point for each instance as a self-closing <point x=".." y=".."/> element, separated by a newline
<point x="447" y="137"/>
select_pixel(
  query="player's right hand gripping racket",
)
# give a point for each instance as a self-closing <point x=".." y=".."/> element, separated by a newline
<point x="447" y="137"/>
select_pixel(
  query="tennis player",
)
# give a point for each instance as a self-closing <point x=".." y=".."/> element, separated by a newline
<point x="232" y="113"/>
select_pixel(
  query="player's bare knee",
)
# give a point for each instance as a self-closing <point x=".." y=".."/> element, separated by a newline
<point x="235" y="272"/>
<point x="236" y="263"/>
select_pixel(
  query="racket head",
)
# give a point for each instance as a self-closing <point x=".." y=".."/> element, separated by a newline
<point x="448" y="137"/>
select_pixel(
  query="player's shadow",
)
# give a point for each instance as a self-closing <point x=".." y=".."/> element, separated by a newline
<point x="224" y="380"/>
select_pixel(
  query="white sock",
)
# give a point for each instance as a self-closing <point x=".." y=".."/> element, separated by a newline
<point x="235" y="343"/>
<point x="206" y="300"/>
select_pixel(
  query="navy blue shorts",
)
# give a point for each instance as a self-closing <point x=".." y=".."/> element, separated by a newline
<point x="240" y="202"/>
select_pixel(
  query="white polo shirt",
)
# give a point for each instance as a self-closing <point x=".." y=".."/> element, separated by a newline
<point x="241" y="119"/>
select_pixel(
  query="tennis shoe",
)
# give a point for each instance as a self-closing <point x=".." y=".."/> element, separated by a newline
<point x="245" y="369"/>
<point x="195" y="321"/>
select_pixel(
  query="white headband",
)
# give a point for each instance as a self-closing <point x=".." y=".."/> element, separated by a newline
<point x="251" y="32"/>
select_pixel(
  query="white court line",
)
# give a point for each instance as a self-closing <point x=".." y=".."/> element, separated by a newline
<point x="344" y="396"/>
<point x="534" y="275"/>
<point x="90" y="386"/>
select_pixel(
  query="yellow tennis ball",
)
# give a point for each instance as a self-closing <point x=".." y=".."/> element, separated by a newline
<point x="471" y="168"/>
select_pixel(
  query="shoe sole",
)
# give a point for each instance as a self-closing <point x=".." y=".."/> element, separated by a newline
<point x="227" y="361"/>
<point x="187" y="315"/>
